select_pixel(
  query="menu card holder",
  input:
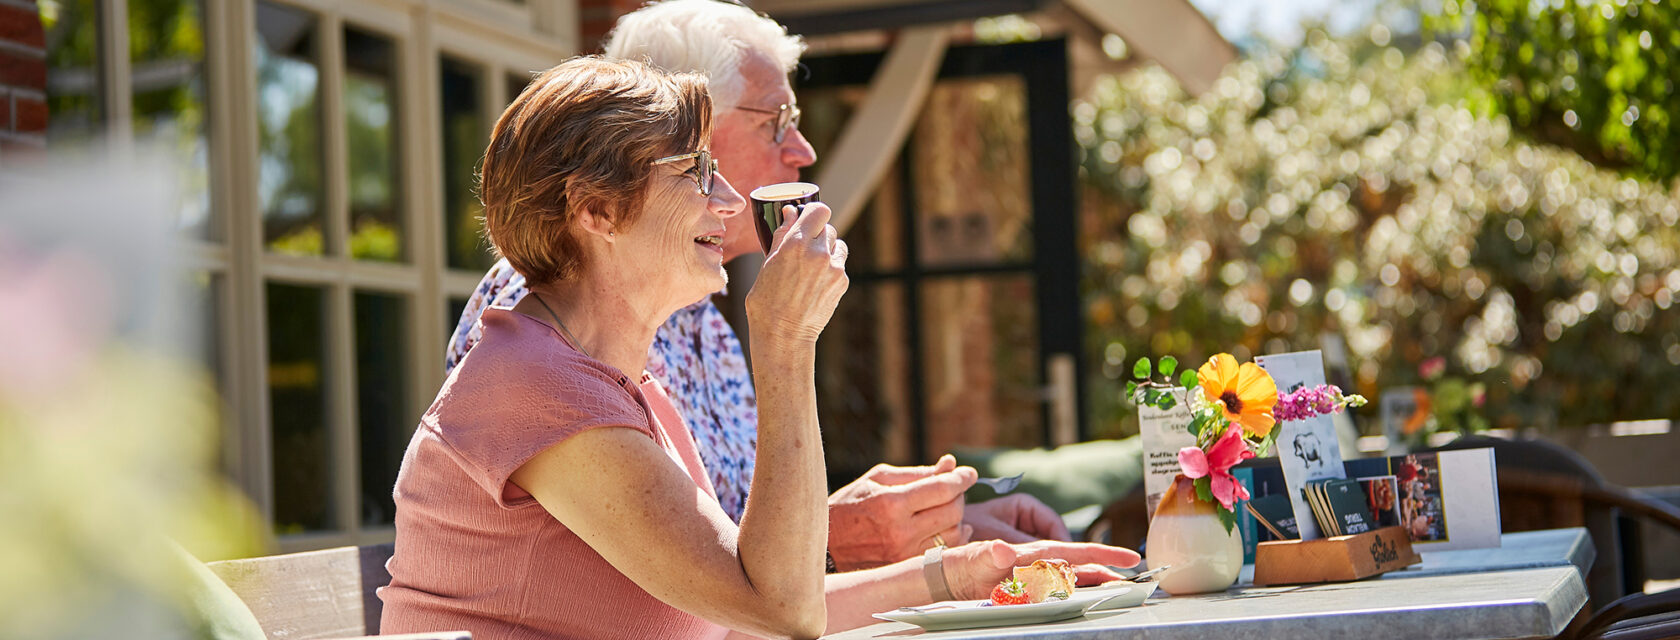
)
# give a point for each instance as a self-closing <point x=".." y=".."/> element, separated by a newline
<point x="1334" y="559"/>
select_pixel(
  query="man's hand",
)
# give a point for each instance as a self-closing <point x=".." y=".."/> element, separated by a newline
<point x="893" y="513"/>
<point x="1017" y="517"/>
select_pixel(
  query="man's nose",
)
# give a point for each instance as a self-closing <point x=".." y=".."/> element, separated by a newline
<point x="797" y="151"/>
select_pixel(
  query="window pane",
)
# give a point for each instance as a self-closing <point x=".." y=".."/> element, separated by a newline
<point x="457" y="306"/>
<point x="166" y="48"/>
<point x="464" y="138"/>
<point x="971" y="164"/>
<point x="516" y="85"/>
<point x="980" y="378"/>
<point x="876" y="238"/>
<point x="72" y="75"/>
<point x="863" y="381"/>
<point x="370" y="99"/>
<point x="302" y="452"/>
<point x="203" y="293"/>
<point x="289" y="125"/>
<point x="381" y="377"/>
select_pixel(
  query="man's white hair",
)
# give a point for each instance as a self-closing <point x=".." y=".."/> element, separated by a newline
<point x="707" y="36"/>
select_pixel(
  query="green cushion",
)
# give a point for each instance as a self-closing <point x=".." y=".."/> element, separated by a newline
<point x="1067" y="477"/>
<point x="215" y="609"/>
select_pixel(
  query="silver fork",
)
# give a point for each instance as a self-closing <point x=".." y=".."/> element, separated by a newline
<point x="1148" y="575"/>
<point x="926" y="608"/>
<point x="1002" y="485"/>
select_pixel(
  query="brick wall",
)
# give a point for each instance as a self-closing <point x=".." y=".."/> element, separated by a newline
<point x="23" y="83"/>
<point x="596" y="18"/>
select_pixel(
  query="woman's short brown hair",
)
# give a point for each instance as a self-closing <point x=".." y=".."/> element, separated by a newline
<point x="582" y="136"/>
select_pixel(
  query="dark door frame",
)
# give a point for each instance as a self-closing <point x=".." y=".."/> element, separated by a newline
<point x="1043" y="68"/>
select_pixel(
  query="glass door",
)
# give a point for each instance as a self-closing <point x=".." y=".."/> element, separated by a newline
<point x="964" y="302"/>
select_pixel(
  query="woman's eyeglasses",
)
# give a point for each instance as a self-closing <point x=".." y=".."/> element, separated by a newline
<point x="705" y="166"/>
<point x="787" y="118"/>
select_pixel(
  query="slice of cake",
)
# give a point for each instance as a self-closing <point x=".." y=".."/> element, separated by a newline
<point x="1046" y="578"/>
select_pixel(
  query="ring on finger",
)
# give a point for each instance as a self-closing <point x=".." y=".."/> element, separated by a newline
<point x="939" y="541"/>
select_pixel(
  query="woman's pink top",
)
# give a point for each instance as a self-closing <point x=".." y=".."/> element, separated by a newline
<point x="475" y="552"/>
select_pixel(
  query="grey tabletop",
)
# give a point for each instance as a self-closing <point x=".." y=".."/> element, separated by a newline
<point x="1529" y="588"/>
<point x="1521" y="550"/>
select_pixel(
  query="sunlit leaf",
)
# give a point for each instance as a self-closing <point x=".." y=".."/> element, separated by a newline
<point x="1188" y="379"/>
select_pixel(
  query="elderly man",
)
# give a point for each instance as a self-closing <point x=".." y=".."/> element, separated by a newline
<point x="889" y="514"/>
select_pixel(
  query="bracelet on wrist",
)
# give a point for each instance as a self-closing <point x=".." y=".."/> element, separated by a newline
<point x="933" y="571"/>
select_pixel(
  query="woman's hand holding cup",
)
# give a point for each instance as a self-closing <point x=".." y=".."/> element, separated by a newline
<point x="802" y="279"/>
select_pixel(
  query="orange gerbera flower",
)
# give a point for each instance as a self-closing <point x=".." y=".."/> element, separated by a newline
<point x="1246" y="393"/>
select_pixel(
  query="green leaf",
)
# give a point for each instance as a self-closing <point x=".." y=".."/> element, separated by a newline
<point x="1168" y="401"/>
<point x="1141" y="369"/>
<point x="1188" y="379"/>
<point x="1131" y="391"/>
<point x="1204" y="489"/>
<point x="1227" y="517"/>
<point x="1168" y="365"/>
<point x="1265" y="444"/>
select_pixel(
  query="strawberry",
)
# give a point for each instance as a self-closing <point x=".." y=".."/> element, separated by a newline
<point x="1010" y="591"/>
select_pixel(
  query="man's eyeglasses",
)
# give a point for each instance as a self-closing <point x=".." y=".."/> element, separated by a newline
<point x="787" y="118"/>
<point x="705" y="166"/>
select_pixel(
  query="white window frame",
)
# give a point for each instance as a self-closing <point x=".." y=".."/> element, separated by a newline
<point x="499" y="35"/>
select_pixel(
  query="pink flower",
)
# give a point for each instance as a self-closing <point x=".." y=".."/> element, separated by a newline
<point x="1432" y="368"/>
<point x="1217" y="462"/>
<point x="1307" y="402"/>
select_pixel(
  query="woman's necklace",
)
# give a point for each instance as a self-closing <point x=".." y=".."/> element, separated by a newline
<point x="563" y="329"/>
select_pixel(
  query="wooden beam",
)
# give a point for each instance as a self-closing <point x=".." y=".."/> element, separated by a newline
<point x="1170" y="32"/>
<point x="877" y="130"/>
<point x="814" y="17"/>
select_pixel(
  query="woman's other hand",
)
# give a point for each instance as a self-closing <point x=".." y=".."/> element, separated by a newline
<point x="973" y="569"/>
<point x="1017" y="517"/>
<point x="802" y="279"/>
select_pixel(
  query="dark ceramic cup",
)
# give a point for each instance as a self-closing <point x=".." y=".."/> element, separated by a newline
<point x="767" y="203"/>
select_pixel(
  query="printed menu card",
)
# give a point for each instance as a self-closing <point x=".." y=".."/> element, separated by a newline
<point x="1306" y="448"/>
<point x="1163" y="433"/>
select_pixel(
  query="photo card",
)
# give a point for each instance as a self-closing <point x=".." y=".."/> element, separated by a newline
<point x="1382" y="499"/>
<point x="1422" y="511"/>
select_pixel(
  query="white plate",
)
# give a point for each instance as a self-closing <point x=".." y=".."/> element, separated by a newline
<point x="1133" y="595"/>
<point x="964" y="614"/>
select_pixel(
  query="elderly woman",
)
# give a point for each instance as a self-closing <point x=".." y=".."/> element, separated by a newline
<point x="547" y="493"/>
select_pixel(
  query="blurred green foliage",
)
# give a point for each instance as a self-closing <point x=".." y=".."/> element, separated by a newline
<point x="1597" y="77"/>
<point x="104" y="469"/>
<point x="1346" y="188"/>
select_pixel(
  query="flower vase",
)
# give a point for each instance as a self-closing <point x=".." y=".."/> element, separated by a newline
<point x="1187" y="535"/>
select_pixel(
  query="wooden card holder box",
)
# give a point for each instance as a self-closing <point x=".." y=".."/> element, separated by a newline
<point x="1337" y="559"/>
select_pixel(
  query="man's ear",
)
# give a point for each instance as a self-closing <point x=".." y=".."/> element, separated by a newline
<point x="595" y="224"/>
